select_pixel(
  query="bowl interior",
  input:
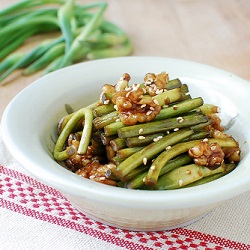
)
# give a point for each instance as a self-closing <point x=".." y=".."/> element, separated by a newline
<point x="29" y="123"/>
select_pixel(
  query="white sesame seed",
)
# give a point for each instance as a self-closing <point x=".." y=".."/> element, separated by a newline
<point x="115" y="107"/>
<point x="188" y="172"/>
<point x="152" y="167"/>
<point x="127" y="95"/>
<point x="106" y="102"/>
<point x="168" y="132"/>
<point x="159" y="91"/>
<point x="180" y="182"/>
<point x="149" y="112"/>
<point x="144" y="179"/>
<point x="91" y="177"/>
<point x="140" y="130"/>
<point x="102" y="178"/>
<point x="168" y="147"/>
<point x="143" y="105"/>
<point x="180" y="119"/>
<point x="118" y="120"/>
<point x="205" y="140"/>
<point x="111" y="165"/>
<point x="144" y="160"/>
<point x="152" y="108"/>
<point x="156" y="102"/>
<point x="141" y="137"/>
<point x="128" y="88"/>
<point x="176" y="129"/>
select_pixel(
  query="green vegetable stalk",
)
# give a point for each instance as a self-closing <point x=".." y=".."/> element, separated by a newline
<point x="85" y="34"/>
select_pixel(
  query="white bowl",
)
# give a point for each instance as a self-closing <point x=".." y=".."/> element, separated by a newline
<point x="29" y="130"/>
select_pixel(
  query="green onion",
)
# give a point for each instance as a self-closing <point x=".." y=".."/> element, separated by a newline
<point x="81" y="27"/>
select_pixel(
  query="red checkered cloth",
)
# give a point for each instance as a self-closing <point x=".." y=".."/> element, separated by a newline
<point x="36" y="216"/>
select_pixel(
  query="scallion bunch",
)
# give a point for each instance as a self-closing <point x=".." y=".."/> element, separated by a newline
<point x="84" y="34"/>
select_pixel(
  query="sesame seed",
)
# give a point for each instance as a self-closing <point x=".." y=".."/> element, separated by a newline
<point x="118" y="120"/>
<point x="176" y="129"/>
<point x="152" y="167"/>
<point x="213" y="148"/>
<point x="106" y="102"/>
<point x="180" y="119"/>
<point x="141" y="137"/>
<point x="115" y="107"/>
<point x="91" y="177"/>
<point x="144" y="160"/>
<point x="188" y="172"/>
<point x="156" y="102"/>
<point x="157" y="138"/>
<point x="140" y="130"/>
<point x="144" y="179"/>
<point x="168" y="132"/>
<point x="149" y="112"/>
<point x="159" y="91"/>
<point x="127" y="95"/>
<point x="180" y="182"/>
<point x="143" y="105"/>
<point x="103" y="178"/>
<point x="128" y="88"/>
<point x="152" y="108"/>
<point x="168" y="147"/>
<point x="205" y="140"/>
<point x="111" y="166"/>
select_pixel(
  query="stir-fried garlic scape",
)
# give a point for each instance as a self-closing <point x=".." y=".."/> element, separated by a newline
<point x="149" y="135"/>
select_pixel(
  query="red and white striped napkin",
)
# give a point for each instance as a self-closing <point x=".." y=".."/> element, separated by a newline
<point x="36" y="216"/>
